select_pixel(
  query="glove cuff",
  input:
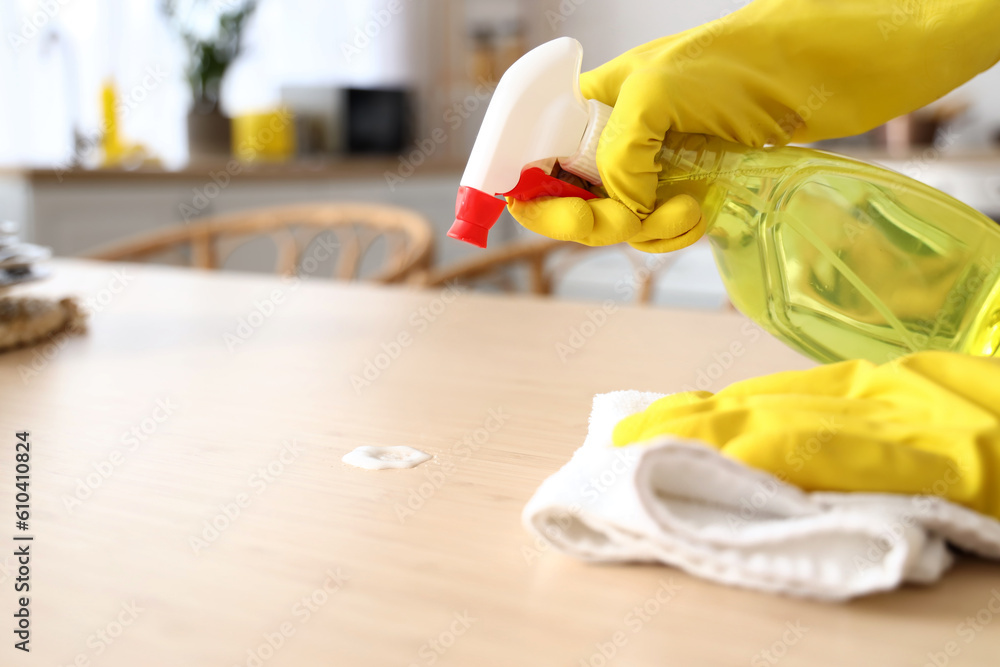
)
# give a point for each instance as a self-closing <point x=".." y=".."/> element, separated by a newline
<point x="583" y="163"/>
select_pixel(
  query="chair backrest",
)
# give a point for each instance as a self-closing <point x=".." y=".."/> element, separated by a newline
<point x="356" y="227"/>
<point x="547" y="262"/>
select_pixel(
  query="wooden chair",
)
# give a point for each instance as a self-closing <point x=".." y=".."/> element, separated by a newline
<point x="547" y="261"/>
<point x="356" y="227"/>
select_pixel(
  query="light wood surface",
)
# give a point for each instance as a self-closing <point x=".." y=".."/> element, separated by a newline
<point x="161" y="338"/>
<point x="356" y="227"/>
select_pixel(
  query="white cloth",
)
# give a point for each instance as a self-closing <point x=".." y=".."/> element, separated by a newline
<point x="682" y="503"/>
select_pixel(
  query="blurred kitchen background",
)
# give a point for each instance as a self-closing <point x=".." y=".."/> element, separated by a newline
<point x="118" y="117"/>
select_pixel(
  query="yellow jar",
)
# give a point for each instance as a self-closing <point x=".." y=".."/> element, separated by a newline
<point x="264" y="137"/>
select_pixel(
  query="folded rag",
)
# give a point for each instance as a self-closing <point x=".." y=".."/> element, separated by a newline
<point x="926" y="423"/>
<point x="682" y="503"/>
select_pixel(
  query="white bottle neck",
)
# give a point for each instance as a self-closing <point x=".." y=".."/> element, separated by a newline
<point x="583" y="162"/>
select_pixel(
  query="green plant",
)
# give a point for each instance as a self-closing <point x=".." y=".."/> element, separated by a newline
<point x="212" y="31"/>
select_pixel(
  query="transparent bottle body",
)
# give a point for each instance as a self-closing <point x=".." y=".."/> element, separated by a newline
<point x="840" y="259"/>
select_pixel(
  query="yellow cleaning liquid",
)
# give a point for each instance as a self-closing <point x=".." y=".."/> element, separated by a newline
<point x="838" y="258"/>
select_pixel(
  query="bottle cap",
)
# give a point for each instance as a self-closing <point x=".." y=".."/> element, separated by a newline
<point x="536" y="113"/>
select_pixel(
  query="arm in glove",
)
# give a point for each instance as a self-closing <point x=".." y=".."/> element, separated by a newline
<point x="772" y="72"/>
<point x="926" y="424"/>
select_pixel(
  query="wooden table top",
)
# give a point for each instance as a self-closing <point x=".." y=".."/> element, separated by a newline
<point x="189" y="506"/>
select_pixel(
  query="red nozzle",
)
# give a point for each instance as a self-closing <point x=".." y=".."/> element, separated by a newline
<point x="475" y="212"/>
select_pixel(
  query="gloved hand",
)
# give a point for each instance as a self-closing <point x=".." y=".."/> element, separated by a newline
<point x="773" y="71"/>
<point x="927" y="424"/>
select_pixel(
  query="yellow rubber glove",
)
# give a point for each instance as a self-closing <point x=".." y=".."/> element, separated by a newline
<point x="926" y="424"/>
<point x="771" y="72"/>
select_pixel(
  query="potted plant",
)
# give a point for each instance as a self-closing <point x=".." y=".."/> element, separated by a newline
<point x="212" y="32"/>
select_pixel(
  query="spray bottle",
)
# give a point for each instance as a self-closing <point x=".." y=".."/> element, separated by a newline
<point x="838" y="258"/>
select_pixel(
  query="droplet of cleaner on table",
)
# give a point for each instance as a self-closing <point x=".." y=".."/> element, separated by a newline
<point x="382" y="458"/>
